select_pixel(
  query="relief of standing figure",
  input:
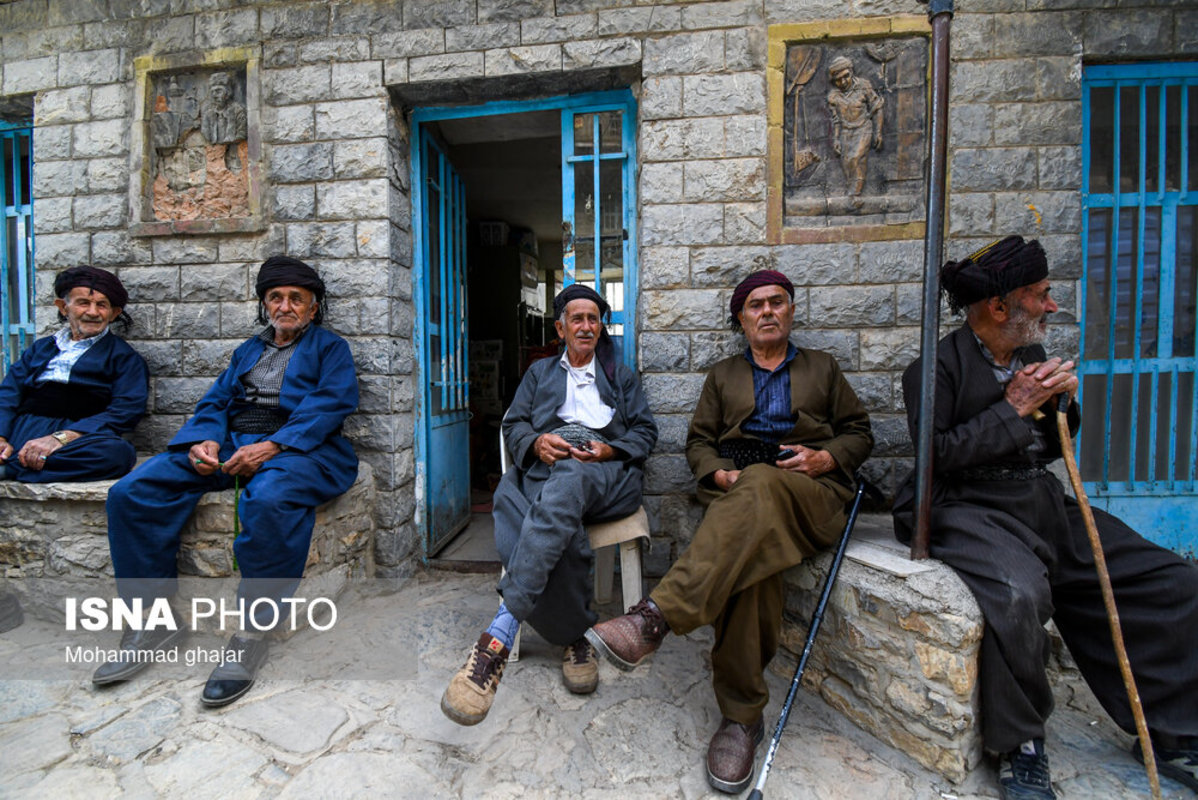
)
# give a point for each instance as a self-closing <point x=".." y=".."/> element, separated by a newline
<point x="223" y="120"/>
<point x="856" y="111"/>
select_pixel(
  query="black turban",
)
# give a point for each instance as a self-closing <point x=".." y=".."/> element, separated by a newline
<point x="605" y="349"/>
<point x="288" y="271"/>
<point x="94" y="278"/>
<point x="994" y="271"/>
<point x="755" y="280"/>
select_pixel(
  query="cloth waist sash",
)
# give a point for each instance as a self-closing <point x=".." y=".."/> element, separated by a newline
<point x="745" y="452"/>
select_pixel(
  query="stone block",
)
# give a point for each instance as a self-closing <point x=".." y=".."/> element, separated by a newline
<point x="1036" y="212"/>
<point x="682" y="224"/>
<point x="851" y="306"/>
<point x="677" y="139"/>
<point x="58" y="106"/>
<point x="708" y="347"/>
<point x="295" y="21"/>
<point x="673" y="393"/>
<point x="446" y="67"/>
<point x="729" y="14"/>
<point x="98" y="139"/>
<point x="178" y="395"/>
<point x="207" y="357"/>
<point x="684" y="53"/>
<point x="89" y="67"/>
<point x="1040" y="33"/>
<point x="972" y="124"/>
<point x="303" y="84"/>
<point x="374" y="239"/>
<point x="663" y="352"/>
<point x="114" y="248"/>
<point x="817" y="264"/>
<point x="190" y="250"/>
<point x="513" y="10"/>
<point x="100" y="210"/>
<point x="540" y="30"/>
<point x="342" y="49"/>
<point x="885" y="262"/>
<point x="405" y="44"/>
<point x="613" y="52"/>
<point x="32" y="75"/>
<point x="53" y="215"/>
<point x="214" y="282"/>
<point x="482" y="37"/>
<point x="151" y="284"/>
<point x="727" y="180"/>
<point x="519" y="60"/>
<point x="744" y="223"/>
<point x="1059" y="167"/>
<point x="971" y="214"/>
<point x="1128" y="32"/>
<point x="60" y="250"/>
<point x="1024" y="124"/>
<point x="719" y="95"/>
<point x="107" y="175"/>
<point x="661" y="183"/>
<point x="226" y="28"/>
<point x="874" y="389"/>
<point x="322" y="240"/>
<point x="744" y="136"/>
<point x="645" y="19"/>
<point x="665" y="267"/>
<point x="681" y="309"/>
<point x="1058" y="79"/>
<point x="989" y="169"/>
<point x="361" y="199"/>
<point x="51" y="144"/>
<point x="724" y="267"/>
<point x="294" y="203"/>
<point x="58" y="178"/>
<point x="297" y="163"/>
<point x="1001" y="80"/>
<point x="745" y="49"/>
<point x="908" y="303"/>
<point x="238" y="320"/>
<point x="661" y="98"/>
<point x="351" y="119"/>
<point x="357" y="79"/>
<point x="889" y="349"/>
<point x="1185" y="31"/>
<point x="667" y="474"/>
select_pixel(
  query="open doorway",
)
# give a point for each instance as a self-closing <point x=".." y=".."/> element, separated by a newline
<point x="511" y="202"/>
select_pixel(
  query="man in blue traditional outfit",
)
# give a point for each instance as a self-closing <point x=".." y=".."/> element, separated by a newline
<point x="272" y="421"/>
<point x="65" y="404"/>
<point x="579" y="430"/>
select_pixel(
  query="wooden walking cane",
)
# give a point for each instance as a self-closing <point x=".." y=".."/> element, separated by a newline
<point x="1108" y="595"/>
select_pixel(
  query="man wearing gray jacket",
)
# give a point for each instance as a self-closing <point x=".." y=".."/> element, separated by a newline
<point x="579" y="430"/>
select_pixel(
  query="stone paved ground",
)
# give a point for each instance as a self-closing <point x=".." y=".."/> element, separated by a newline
<point x="643" y="734"/>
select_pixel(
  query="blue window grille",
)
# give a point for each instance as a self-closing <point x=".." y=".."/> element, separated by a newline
<point x="16" y="240"/>
<point x="1139" y="434"/>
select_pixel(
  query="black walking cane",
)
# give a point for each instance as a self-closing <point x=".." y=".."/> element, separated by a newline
<point x="816" y="618"/>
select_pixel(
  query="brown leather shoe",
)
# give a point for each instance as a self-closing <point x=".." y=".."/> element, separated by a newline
<point x="471" y="691"/>
<point x="580" y="667"/>
<point x="626" y="641"/>
<point x="731" y="753"/>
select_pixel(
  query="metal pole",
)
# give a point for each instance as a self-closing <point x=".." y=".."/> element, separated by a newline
<point x="940" y="12"/>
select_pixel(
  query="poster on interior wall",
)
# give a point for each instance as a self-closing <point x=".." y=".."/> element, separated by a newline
<point x="196" y="146"/>
<point x="848" y="120"/>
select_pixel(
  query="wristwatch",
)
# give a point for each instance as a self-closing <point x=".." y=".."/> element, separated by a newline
<point x="61" y="436"/>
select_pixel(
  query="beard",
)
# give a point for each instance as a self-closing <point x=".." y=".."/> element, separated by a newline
<point x="1025" y="329"/>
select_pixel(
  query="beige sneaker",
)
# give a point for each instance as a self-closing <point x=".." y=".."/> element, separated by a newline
<point x="580" y="667"/>
<point x="471" y="691"/>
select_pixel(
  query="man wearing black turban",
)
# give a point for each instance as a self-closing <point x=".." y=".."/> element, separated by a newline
<point x="1002" y="521"/>
<point x="776" y="436"/>
<point x="66" y="404"/>
<point x="579" y="431"/>
<point x="271" y="423"/>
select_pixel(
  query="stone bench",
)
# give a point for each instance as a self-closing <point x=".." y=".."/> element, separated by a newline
<point x="54" y="539"/>
<point x="897" y="651"/>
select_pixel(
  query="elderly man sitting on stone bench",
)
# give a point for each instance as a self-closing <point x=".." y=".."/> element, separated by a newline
<point x="65" y="404"/>
<point x="272" y="421"/>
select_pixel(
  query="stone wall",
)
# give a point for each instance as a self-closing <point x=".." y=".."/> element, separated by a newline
<point x="335" y="169"/>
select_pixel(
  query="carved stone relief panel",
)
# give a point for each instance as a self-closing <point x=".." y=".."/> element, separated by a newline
<point x="197" y="150"/>
<point x="848" y="117"/>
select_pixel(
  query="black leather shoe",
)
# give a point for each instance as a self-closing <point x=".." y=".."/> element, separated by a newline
<point x="235" y="675"/>
<point x="137" y="652"/>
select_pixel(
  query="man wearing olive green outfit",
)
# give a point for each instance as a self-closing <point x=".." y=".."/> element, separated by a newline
<point x="791" y="411"/>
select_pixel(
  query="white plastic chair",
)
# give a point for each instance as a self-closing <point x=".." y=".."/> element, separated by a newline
<point x="624" y="534"/>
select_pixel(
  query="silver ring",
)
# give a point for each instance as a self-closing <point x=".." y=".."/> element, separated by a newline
<point x="43" y="458"/>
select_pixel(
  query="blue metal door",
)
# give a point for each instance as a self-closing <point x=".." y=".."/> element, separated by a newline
<point x="598" y="201"/>
<point x="16" y="242"/>
<point x="1139" y="435"/>
<point x="440" y="211"/>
